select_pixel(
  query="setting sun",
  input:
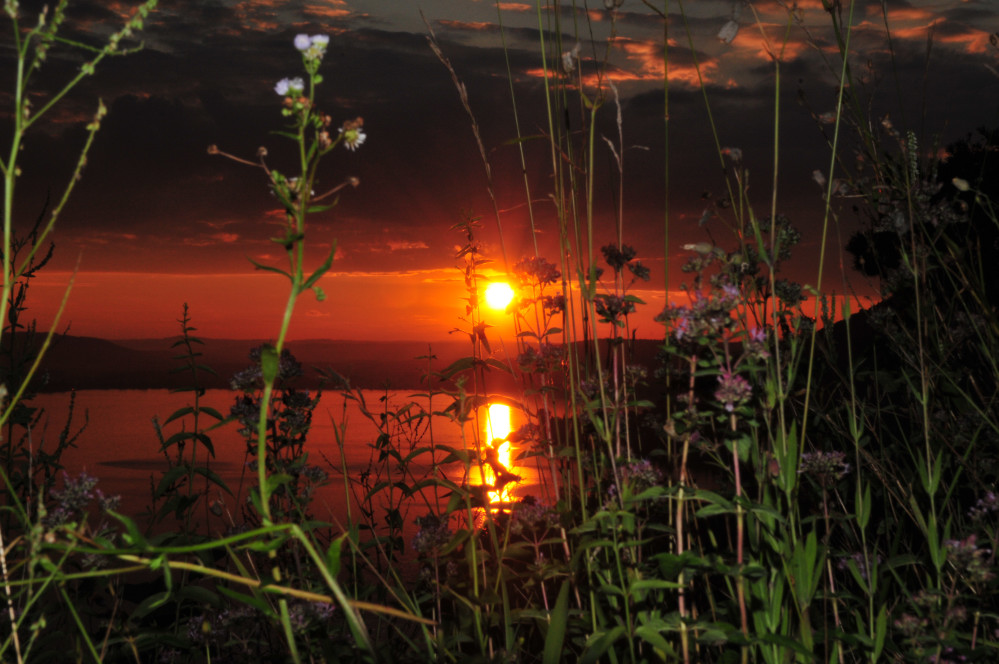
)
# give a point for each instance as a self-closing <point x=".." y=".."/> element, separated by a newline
<point x="499" y="294"/>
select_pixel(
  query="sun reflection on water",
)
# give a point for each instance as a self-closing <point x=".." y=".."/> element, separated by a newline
<point x="497" y="454"/>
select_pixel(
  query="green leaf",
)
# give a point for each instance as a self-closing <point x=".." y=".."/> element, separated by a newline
<point x="332" y="556"/>
<point x="268" y="268"/>
<point x="213" y="477"/>
<point x="555" y="638"/>
<point x="169" y="478"/>
<point x="653" y="636"/>
<point x="322" y="269"/>
<point x="149" y="605"/>
<point x="211" y="412"/>
<point x="177" y="414"/>
<point x="132" y="535"/>
<point x="598" y="644"/>
<point x="276" y="480"/>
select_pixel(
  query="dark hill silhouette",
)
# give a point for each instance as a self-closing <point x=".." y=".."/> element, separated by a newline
<point x="78" y="363"/>
<point x="90" y="363"/>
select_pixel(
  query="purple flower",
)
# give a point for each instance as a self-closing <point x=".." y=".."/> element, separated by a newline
<point x="733" y="391"/>
<point x="290" y="86"/>
<point x="302" y="42"/>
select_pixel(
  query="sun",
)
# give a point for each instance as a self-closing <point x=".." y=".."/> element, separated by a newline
<point x="499" y="295"/>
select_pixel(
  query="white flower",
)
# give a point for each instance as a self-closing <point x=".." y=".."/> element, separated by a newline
<point x="289" y="86"/>
<point x="570" y="58"/>
<point x="353" y="138"/>
<point x="728" y="32"/>
<point x="316" y="48"/>
<point x="302" y="42"/>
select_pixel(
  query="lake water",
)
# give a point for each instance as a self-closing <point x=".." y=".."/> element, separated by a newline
<point x="120" y="447"/>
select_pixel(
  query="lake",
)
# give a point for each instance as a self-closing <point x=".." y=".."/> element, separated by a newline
<point x="119" y="445"/>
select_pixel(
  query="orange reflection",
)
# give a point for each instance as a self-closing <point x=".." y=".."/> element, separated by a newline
<point x="497" y="454"/>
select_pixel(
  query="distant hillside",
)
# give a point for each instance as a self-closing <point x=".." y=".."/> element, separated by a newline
<point x="89" y="363"/>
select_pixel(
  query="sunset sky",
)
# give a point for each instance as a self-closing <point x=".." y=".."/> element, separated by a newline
<point x="157" y="221"/>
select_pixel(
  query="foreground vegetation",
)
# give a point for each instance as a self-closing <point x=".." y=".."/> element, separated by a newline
<point x="791" y="481"/>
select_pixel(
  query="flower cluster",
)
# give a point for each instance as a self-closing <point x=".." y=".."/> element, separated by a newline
<point x="620" y="258"/>
<point x="537" y="271"/>
<point x="733" y="391"/>
<point x="533" y="517"/>
<point x="290" y="87"/>
<point x="543" y="359"/>
<point x="987" y="504"/>
<point x="970" y="560"/>
<point x="74" y="498"/>
<point x="706" y="316"/>
<point x="251" y="378"/>
<point x="312" y="48"/>
<point x="641" y="474"/>
<point x="432" y="535"/>
<point x="613" y="308"/>
<point x="825" y="467"/>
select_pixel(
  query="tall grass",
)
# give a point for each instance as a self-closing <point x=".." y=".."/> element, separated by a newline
<point x="777" y="486"/>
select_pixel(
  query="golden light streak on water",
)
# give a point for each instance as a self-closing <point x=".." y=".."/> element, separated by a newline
<point x="498" y="429"/>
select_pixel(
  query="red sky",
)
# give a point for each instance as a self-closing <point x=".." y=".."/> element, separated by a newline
<point x="157" y="222"/>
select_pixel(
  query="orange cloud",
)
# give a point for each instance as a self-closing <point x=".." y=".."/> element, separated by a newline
<point x="477" y="26"/>
<point x="974" y="41"/>
<point x="401" y="246"/>
<point x="769" y="45"/>
<point x="515" y="7"/>
<point x="326" y="12"/>
<point x="901" y="14"/>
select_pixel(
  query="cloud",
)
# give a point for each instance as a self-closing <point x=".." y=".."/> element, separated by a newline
<point x="405" y="246"/>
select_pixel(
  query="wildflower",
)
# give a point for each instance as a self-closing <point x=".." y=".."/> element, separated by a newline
<point x="570" y="58"/>
<point x="825" y="467"/>
<point x="640" y="271"/>
<point x="728" y="32"/>
<point x="290" y="87"/>
<point x="970" y="560"/>
<point x="987" y="504"/>
<point x="819" y="177"/>
<point x="314" y="47"/>
<point x="788" y="292"/>
<point x="544" y="359"/>
<point x="618" y="258"/>
<point x="612" y="307"/>
<point x="641" y="474"/>
<point x="757" y="343"/>
<point x="433" y="533"/>
<point x="735" y="154"/>
<point x="554" y="304"/>
<point x="352" y="133"/>
<point x="538" y="270"/>
<point x="533" y="516"/>
<point x="733" y="390"/>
